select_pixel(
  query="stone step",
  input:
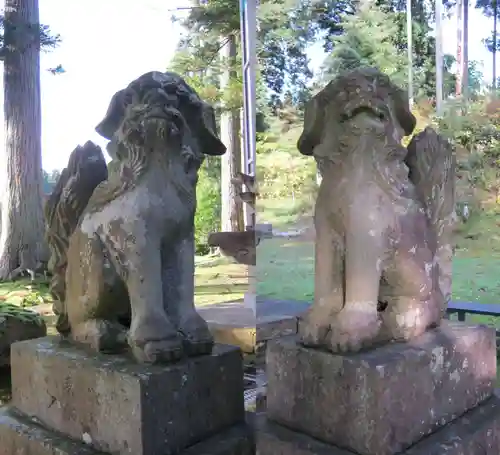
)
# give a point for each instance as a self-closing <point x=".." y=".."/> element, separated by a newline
<point x="236" y="324"/>
<point x="475" y="433"/>
<point x="20" y="435"/>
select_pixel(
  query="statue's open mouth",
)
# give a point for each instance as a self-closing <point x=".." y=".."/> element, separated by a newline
<point x="352" y="110"/>
<point x="164" y="121"/>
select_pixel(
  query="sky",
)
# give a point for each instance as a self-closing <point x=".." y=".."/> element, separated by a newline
<point x="105" y="45"/>
<point x="108" y="43"/>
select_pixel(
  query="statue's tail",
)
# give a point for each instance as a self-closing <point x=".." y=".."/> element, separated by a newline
<point x="85" y="171"/>
<point x="432" y="162"/>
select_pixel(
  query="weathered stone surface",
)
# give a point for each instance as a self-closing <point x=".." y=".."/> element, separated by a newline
<point x="381" y="401"/>
<point x="19" y="435"/>
<point x="475" y="433"/>
<point x="13" y="329"/>
<point x="124" y="271"/>
<point x="383" y="216"/>
<point x="123" y="407"/>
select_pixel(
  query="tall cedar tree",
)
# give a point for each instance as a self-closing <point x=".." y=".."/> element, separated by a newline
<point x="22" y="245"/>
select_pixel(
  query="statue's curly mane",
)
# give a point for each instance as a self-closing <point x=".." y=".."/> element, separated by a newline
<point x="432" y="175"/>
<point x="131" y="168"/>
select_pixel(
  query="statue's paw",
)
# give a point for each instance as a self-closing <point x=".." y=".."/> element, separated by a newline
<point x="158" y="351"/>
<point x="351" y="330"/>
<point x="408" y="321"/>
<point x="314" y="326"/>
<point x="198" y="339"/>
<point x="100" y="335"/>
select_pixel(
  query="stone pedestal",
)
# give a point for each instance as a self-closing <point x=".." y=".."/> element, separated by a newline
<point x="387" y="400"/>
<point x="65" y="401"/>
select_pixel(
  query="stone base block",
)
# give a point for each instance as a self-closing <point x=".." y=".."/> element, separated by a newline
<point x="118" y="406"/>
<point x="381" y="401"/>
<point x="475" y="433"/>
<point x="19" y="435"/>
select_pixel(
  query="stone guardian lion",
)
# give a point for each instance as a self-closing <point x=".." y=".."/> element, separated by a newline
<point x="123" y="263"/>
<point x="383" y="216"/>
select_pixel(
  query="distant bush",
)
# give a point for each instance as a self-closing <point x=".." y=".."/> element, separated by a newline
<point x="476" y="134"/>
<point x="207" y="218"/>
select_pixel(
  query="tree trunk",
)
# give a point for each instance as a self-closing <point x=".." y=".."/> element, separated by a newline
<point x="231" y="207"/>
<point x="22" y="243"/>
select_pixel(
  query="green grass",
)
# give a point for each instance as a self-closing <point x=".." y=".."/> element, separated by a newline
<point x="217" y="280"/>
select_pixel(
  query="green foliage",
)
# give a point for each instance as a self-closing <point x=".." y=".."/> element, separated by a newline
<point x="23" y="32"/>
<point x="208" y="210"/>
<point x="367" y="40"/>
<point x="8" y="310"/>
<point x="282" y="172"/>
<point x="476" y="134"/>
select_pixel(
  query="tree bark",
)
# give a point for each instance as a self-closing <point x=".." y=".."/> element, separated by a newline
<point x="231" y="207"/>
<point x="22" y="244"/>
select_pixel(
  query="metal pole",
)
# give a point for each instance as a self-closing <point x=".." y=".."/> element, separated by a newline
<point x="248" y="24"/>
<point x="439" y="57"/>
<point x="409" y="34"/>
<point x="460" y="57"/>
<point x="248" y="17"/>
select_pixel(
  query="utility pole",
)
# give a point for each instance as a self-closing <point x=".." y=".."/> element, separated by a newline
<point x="248" y="23"/>
<point x="460" y="41"/>
<point x="439" y="57"/>
<point x="409" y="34"/>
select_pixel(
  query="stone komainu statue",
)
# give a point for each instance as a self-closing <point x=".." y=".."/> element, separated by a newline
<point x="123" y="245"/>
<point x="383" y="216"/>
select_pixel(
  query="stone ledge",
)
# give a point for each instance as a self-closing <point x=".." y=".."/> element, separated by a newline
<point x="475" y="433"/>
<point x="234" y="323"/>
<point x="21" y="435"/>
<point x="381" y="401"/>
<point x="122" y="407"/>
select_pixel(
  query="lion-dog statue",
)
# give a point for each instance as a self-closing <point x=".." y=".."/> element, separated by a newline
<point x="123" y="244"/>
<point x="383" y="216"/>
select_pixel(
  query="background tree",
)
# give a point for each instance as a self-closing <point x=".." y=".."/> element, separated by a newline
<point x="490" y="8"/>
<point x="367" y="40"/>
<point x="22" y="244"/>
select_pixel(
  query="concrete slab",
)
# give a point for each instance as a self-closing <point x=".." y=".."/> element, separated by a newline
<point x="236" y="324"/>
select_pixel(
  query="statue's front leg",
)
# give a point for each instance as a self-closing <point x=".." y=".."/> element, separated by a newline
<point x="178" y="295"/>
<point x="314" y="326"/>
<point x="152" y="336"/>
<point x="357" y="325"/>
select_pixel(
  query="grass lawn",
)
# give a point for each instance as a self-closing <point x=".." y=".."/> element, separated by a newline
<point x="217" y="280"/>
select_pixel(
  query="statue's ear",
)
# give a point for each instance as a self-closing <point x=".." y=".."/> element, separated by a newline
<point x="314" y="119"/>
<point x="403" y="112"/>
<point x="114" y="116"/>
<point x="209" y="141"/>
